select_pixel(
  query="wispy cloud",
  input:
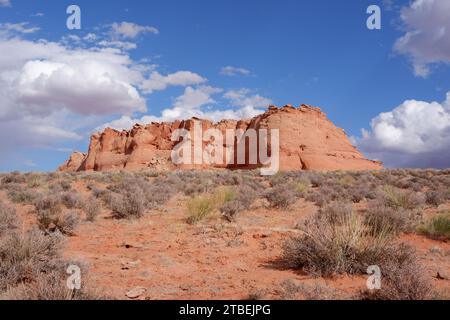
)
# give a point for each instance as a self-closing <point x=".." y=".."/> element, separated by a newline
<point x="233" y="71"/>
<point x="131" y="30"/>
<point x="5" y="3"/>
<point x="22" y="27"/>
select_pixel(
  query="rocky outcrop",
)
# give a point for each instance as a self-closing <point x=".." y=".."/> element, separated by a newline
<point x="308" y="141"/>
<point x="74" y="162"/>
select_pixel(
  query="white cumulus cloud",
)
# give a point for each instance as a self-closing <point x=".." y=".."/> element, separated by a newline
<point x="414" y="134"/>
<point x="427" y="38"/>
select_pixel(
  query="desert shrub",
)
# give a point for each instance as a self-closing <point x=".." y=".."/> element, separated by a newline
<point x="130" y="204"/>
<point x="224" y="194"/>
<point x="60" y="186"/>
<point x="31" y="268"/>
<point x="346" y="180"/>
<point x="437" y="227"/>
<point x="34" y="180"/>
<point x="71" y="200"/>
<point x="13" y="177"/>
<point x="19" y="194"/>
<point x="92" y="208"/>
<point x="154" y="194"/>
<point x="398" y="198"/>
<point x="302" y="186"/>
<point x="63" y="222"/>
<point x="436" y="197"/>
<point x="50" y="203"/>
<point x="199" y="207"/>
<point x="158" y="194"/>
<point x="23" y="256"/>
<point x="402" y="279"/>
<point x="381" y="217"/>
<point x="281" y="196"/>
<point x="238" y="201"/>
<point x="337" y="243"/>
<point x="231" y="209"/>
<point x="316" y="179"/>
<point x="319" y="198"/>
<point x="335" y="212"/>
<point x="48" y="286"/>
<point x="291" y="291"/>
<point x="8" y="218"/>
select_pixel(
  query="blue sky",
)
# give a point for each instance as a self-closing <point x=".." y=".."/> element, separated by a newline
<point x="285" y="52"/>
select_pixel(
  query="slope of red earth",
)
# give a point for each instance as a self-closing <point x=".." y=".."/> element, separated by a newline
<point x="215" y="260"/>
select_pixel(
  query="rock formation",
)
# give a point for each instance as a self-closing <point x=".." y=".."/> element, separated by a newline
<point x="308" y="141"/>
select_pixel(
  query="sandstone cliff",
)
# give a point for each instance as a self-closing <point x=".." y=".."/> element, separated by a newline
<point x="308" y="141"/>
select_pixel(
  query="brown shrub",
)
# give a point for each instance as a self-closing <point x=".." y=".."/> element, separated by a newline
<point x="8" y="218"/>
<point x="129" y="205"/>
<point x="281" y="196"/>
<point x="398" y="198"/>
<point x="401" y="279"/>
<point x="436" y="197"/>
<point x="338" y="243"/>
<point x="92" y="208"/>
<point x="381" y="217"/>
<point x="49" y="286"/>
<point x="23" y="256"/>
<point x="19" y="194"/>
<point x="62" y="222"/>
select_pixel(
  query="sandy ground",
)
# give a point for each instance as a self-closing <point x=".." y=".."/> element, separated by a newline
<point x="214" y="259"/>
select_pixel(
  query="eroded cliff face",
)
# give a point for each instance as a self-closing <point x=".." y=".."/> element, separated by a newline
<point x="308" y="141"/>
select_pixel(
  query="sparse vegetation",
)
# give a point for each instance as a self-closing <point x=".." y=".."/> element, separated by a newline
<point x="437" y="227"/>
<point x="281" y="196"/>
<point x="357" y="221"/>
<point x="8" y="218"/>
<point x="338" y="241"/>
<point x="402" y="279"/>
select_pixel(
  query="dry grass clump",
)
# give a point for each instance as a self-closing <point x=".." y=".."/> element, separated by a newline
<point x="401" y="279"/>
<point x="199" y="207"/>
<point x="31" y="268"/>
<point x="289" y="290"/>
<point x="49" y="286"/>
<point x="8" y="218"/>
<point x="338" y="241"/>
<point x="92" y="208"/>
<point x="20" y="194"/>
<point x="399" y="198"/>
<point x="281" y="196"/>
<point x="24" y="256"/>
<point x="381" y="217"/>
<point x="152" y="194"/>
<point x="128" y="205"/>
<point x="436" y="197"/>
<point x="243" y="200"/>
<point x="65" y="223"/>
<point x="437" y="227"/>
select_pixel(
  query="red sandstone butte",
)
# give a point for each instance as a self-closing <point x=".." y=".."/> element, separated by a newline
<point x="308" y="141"/>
